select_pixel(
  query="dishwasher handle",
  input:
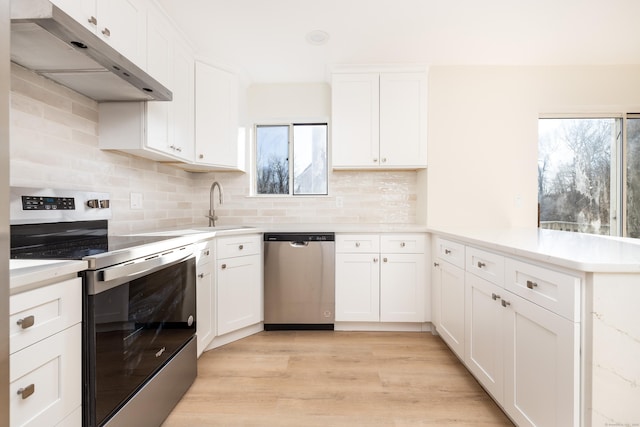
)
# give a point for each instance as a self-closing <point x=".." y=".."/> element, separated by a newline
<point x="298" y="244"/>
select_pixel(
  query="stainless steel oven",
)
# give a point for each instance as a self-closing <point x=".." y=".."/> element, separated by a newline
<point x="140" y="315"/>
<point x="139" y="304"/>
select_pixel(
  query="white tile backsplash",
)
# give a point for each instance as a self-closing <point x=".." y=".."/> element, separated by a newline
<point x="54" y="143"/>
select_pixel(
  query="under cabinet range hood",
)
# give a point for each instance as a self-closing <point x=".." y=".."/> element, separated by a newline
<point x="51" y="43"/>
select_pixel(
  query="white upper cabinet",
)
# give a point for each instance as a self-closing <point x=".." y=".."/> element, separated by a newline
<point x="220" y="138"/>
<point x="121" y="23"/>
<point x="379" y="120"/>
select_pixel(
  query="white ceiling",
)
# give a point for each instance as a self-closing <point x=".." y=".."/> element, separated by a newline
<point x="265" y="39"/>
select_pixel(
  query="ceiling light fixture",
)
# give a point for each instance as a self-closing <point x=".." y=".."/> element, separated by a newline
<point x="317" y="37"/>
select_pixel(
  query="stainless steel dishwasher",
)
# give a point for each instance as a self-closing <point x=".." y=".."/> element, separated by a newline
<point x="299" y="281"/>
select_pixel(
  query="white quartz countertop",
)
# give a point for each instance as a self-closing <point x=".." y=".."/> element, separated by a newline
<point x="344" y="228"/>
<point x="27" y="274"/>
<point x="578" y="251"/>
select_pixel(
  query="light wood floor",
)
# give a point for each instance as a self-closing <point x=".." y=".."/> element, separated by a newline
<point x="326" y="378"/>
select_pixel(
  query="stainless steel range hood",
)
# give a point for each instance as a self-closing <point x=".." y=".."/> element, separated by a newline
<point x="48" y="41"/>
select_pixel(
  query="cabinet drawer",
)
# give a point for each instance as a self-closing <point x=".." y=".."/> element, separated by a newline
<point x="204" y="253"/>
<point x="37" y="314"/>
<point x="451" y="252"/>
<point x="553" y="290"/>
<point x="484" y="264"/>
<point x="233" y="246"/>
<point x="403" y="243"/>
<point x="50" y="376"/>
<point x="357" y="243"/>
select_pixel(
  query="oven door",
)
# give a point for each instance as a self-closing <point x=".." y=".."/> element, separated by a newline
<point x="136" y="320"/>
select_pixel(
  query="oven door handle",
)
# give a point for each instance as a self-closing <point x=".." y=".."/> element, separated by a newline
<point x="146" y="265"/>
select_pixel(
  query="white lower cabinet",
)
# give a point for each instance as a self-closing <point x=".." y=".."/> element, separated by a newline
<point x="381" y="278"/>
<point x="525" y="355"/>
<point x="205" y="295"/>
<point x="449" y="305"/>
<point x="45" y="377"/>
<point x="542" y="368"/>
<point x="239" y="290"/>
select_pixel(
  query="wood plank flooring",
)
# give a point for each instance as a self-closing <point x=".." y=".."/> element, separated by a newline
<point x="327" y="378"/>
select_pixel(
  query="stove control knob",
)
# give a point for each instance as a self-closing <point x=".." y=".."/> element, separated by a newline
<point x="93" y="203"/>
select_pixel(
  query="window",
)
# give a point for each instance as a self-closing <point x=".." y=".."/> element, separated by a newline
<point x="589" y="174"/>
<point x="291" y="159"/>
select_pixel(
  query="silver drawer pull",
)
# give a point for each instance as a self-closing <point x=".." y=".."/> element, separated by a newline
<point x="447" y="252"/>
<point x="200" y="276"/>
<point x="481" y="264"/>
<point x="505" y="303"/>
<point x="531" y="284"/>
<point x="27" y="391"/>
<point x="106" y="32"/>
<point x="385" y="259"/>
<point x="93" y="20"/>
<point x="241" y="247"/>
<point x="435" y="264"/>
<point x="375" y="260"/>
<point x="357" y="244"/>
<point x="495" y="296"/>
<point x="223" y="266"/>
<point x="206" y="253"/>
<point x="26" y="322"/>
<point x="403" y="244"/>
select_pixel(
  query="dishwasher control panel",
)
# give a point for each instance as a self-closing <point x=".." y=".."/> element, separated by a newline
<point x="299" y="237"/>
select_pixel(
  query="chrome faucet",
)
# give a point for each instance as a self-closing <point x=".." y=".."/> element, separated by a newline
<point x="212" y="212"/>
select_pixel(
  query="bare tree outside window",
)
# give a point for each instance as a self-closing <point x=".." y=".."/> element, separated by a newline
<point x="292" y="159"/>
<point x="633" y="178"/>
<point x="574" y="173"/>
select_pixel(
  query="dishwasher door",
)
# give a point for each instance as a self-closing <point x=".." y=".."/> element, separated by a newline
<point x="299" y="280"/>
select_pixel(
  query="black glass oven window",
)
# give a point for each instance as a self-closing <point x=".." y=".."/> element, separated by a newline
<point x="136" y="328"/>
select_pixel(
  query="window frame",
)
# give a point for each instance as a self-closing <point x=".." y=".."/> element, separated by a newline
<point x="290" y="124"/>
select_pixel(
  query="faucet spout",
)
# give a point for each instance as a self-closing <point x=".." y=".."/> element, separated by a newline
<point x="212" y="212"/>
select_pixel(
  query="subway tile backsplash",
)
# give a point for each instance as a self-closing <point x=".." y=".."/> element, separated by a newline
<point x="54" y="143"/>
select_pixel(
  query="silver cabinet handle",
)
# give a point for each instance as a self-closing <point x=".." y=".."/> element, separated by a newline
<point x="447" y="252"/>
<point x="27" y="391"/>
<point x="26" y="322"/>
<point x="179" y="149"/>
<point x="375" y="160"/>
<point x="403" y="244"/>
<point x="200" y="276"/>
<point x="495" y="296"/>
<point x="223" y="266"/>
<point x="201" y="156"/>
<point x="92" y="20"/>
<point x="206" y="253"/>
<point x="435" y="264"/>
<point x="531" y="284"/>
<point x="481" y="264"/>
<point x="505" y="303"/>
<point x="106" y="32"/>
<point x="375" y="260"/>
<point x="241" y="247"/>
<point x="384" y="259"/>
<point x="357" y="244"/>
<point x="384" y="160"/>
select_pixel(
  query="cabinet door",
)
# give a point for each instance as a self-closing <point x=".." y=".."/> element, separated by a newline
<point x="45" y="383"/>
<point x="541" y="366"/>
<point x="451" y="324"/>
<point x="122" y="23"/>
<point x="484" y="333"/>
<point x="402" y="287"/>
<point x="182" y="107"/>
<point x="239" y="291"/>
<point x="357" y="288"/>
<point x="205" y="309"/>
<point x="355" y="101"/>
<point x="216" y="134"/>
<point x="403" y="118"/>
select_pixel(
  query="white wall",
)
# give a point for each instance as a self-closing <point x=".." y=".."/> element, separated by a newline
<point x="483" y="134"/>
